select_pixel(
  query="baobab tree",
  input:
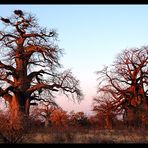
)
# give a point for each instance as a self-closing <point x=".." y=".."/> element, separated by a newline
<point x="29" y="65"/>
<point x="102" y="105"/>
<point x="126" y="80"/>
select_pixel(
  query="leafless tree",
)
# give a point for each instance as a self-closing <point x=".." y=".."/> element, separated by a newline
<point x="126" y="80"/>
<point x="102" y="105"/>
<point x="29" y="65"/>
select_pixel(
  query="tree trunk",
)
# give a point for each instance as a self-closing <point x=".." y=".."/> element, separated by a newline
<point x="14" y="108"/>
<point x="20" y="103"/>
<point x="108" y="124"/>
<point x="19" y="108"/>
<point x="144" y="114"/>
<point x="132" y="117"/>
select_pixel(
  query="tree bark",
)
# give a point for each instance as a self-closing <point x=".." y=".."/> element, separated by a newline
<point x="19" y="108"/>
<point x="108" y="124"/>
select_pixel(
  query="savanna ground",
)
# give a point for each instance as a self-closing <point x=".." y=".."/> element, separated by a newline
<point x="81" y="135"/>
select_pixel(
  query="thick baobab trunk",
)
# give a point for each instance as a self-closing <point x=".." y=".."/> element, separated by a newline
<point x="137" y="109"/>
<point x="144" y="114"/>
<point x="14" y="108"/>
<point x="132" y="117"/>
<point x="20" y="102"/>
<point x="19" y="108"/>
<point x="144" y="108"/>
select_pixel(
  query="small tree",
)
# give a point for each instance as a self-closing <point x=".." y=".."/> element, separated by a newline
<point x="59" y="118"/>
<point x="29" y="64"/>
<point x="102" y="105"/>
<point x="77" y="119"/>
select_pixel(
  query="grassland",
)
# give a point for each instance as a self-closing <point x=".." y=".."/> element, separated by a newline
<point x="73" y="136"/>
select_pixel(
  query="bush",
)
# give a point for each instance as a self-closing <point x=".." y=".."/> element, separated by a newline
<point x="11" y="131"/>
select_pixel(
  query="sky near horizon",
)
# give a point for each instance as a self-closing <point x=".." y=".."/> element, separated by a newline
<point x="91" y="36"/>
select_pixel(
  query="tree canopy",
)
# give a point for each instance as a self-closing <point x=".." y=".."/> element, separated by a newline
<point x="126" y="82"/>
<point x="30" y="69"/>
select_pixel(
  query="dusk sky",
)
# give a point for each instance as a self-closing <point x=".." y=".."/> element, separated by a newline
<point x="91" y="36"/>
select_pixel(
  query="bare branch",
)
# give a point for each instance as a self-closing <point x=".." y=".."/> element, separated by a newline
<point x="42" y="85"/>
<point x="8" y="35"/>
<point x="7" y="67"/>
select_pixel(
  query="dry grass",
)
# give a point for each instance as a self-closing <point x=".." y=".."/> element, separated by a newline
<point x="88" y="136"/>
